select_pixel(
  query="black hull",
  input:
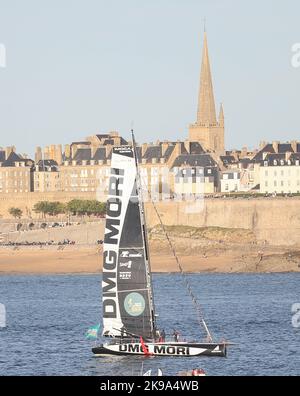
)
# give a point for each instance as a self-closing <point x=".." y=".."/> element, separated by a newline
<point x="163" y="349"/>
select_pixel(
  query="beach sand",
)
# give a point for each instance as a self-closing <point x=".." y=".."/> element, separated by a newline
<point x="84" y="260"/>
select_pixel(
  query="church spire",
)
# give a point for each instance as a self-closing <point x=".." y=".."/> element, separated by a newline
<point x="206" y="105"/>
<point x="221" y="116"/>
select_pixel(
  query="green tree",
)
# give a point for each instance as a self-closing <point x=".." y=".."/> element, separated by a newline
<point x="49" y="208"/>
<point x="15" y="212"/>
<point x="86" y="207"/>
<point x="41" y="207"/>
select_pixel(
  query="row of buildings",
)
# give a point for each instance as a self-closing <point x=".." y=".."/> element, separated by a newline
<point x="166" y="168"/>
<point x="196" y="165"/>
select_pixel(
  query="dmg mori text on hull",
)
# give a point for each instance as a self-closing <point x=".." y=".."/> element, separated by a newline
<point x="169" y="349"/>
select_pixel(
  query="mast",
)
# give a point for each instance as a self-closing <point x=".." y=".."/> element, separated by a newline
<point x="145" y="233"/>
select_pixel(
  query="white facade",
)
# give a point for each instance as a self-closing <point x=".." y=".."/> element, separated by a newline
<point x="230" y="181"/>
<point x="280" y="178"/>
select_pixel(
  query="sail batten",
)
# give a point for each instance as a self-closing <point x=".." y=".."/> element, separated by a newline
<point x="127" y="288"/>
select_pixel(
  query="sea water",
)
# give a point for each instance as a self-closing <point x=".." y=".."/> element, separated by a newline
<point x="47" y="317"/>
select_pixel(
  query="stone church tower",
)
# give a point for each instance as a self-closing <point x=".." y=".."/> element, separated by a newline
<point x="208" y="130"/>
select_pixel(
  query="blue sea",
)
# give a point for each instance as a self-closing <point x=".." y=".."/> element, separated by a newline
<point x="47" y="317"/>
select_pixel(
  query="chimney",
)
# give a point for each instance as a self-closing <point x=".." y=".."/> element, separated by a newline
<point x="38" y="154"/>
<point x="58" y="154"/>
<point x="67" y="151"/>
<point x="52" y="152"/>
<point x="114" y="134"/>
<point x="74" y="149"/>
<point x="262" y="144"/>
<point x="187" y="146"/>
<point x="94" y="148"/>
<point x="108" y="150"/>
<point x="288" y="155"/>
<point x="9" y="150"/>
<point x="144" y="148"/>
<point x="46" y="153"/>
<point x="178" y="148"/>
<point x="164" y="147"/>
<point x="294" y="145"/>
<point x="276" y="147"/>
<point x="244" y="152"/>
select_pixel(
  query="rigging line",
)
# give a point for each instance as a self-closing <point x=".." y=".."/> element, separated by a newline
<point x="197" y="305"/>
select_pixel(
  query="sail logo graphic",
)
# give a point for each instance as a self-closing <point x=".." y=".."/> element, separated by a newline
<point x="2" y="316"/>
<point x="134" y="304"/>
<point x="296" y="316"/>
<point x="125" y="275"/>
<point x="126" y="254"/>
<point x="127" y="265"/>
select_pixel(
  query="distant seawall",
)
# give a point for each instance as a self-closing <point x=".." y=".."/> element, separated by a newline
<point x="275" y="220"/>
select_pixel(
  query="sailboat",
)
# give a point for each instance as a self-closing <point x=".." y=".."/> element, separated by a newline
<point x="129" y="319"/>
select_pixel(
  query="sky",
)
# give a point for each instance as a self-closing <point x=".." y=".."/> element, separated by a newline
<point x="79" y="67"/>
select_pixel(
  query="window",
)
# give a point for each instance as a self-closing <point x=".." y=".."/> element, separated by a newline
<point x="282" y="173"/>
<point x="266" y="173"/>
<point x="282" y="183"/>
<point x="266" y="184"/>
<point x="226" y="187"/>
<point x="275" y="183"/>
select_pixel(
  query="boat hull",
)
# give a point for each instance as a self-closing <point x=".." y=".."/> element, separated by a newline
<point x="163" y="349"/>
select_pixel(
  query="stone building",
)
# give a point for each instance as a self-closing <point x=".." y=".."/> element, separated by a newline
<point x="47" y="176"/>
<point x="208" y="130"/>
<point x="16" y="173"/>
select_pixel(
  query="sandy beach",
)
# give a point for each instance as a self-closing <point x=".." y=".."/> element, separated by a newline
<point x="84" y="260"/>
<point x="199" y="250"/>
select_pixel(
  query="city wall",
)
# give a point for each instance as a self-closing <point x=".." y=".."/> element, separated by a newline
<point x="275" y="220"/>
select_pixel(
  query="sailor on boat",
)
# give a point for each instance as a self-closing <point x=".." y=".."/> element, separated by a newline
<point x="176" y="335"/>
